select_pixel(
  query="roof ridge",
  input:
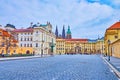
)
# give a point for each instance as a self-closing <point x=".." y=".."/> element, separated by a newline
<point x="114" y="26"/>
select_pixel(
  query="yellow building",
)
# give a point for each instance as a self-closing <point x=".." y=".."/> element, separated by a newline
<point x="8" y="44"/>
<point x="79" y="46"/>
<point x="99" y="46"/>
<point x="112" y="36"/>
<point x="60" y="46"/>
<point x="71" y="46"/>
<point x="74" y="46"/>
<point x="114" y="48"/>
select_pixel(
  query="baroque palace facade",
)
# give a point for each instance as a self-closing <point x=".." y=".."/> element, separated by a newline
<point x="65" y="44"/>
<point x="37" y="39"/>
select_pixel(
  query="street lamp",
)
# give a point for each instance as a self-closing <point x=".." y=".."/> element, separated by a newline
<point x="108" y="50"/>
<point x="52" y="47"/>
<point x="42" y="48"/>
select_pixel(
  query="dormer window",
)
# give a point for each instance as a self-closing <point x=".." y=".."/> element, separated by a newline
<point x="37" y="32"/>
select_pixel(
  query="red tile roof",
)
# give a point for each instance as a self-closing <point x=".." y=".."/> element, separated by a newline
<point x="76" y="39"/>
<point x="115" y="26"/>
<point x="23" y="30"/>
<point x="6" y="34"/>
<point x="15" y="41"/>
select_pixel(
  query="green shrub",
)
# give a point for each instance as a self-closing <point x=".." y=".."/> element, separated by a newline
<point x="17" y="55"/>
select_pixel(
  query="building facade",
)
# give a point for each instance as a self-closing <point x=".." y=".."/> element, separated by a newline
<point x="69" y="45"/>
<point x="38" y="39"/>
<point x="25" y="40"/>
<point x="114" y="48"/>
<point x="79" y="46"/>
<point x="112" y="36"/>
<point x="8" y="44"/>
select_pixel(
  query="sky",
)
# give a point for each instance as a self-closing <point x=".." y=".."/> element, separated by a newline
<point x="86" y="18"/>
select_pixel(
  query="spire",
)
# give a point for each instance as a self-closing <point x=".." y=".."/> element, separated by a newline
<point x="68" y="31"/>
<point x="56" y="32"/>
<point x="63" y="32"/>
<point x="69" y="36"/>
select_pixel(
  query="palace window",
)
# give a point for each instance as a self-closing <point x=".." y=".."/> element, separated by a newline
<point x="21" y="45"/>
<point x="14" y="45"/>
<point x="28" y="39"/>
<point x="21" y="39"/>
<point x="31" y="39"/>
<point x="116" y="37"/>
<point x="24" y="45"/>
<point x="24" y="39"/>
<point x="36" y="44"/>
<point x="3" y="44"/>
<point x="30" y="45"/>
<point x="27" y="45"/>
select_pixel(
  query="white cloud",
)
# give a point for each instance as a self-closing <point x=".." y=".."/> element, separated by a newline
<point x="86" y="19"/>
<point x="116" y="2"/>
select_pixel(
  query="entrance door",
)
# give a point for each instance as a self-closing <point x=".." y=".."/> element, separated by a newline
<point x="78" y="50"/>
<point x="27" y="52"/>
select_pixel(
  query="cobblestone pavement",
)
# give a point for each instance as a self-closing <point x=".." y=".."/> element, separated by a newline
<point x="63" y="67"/>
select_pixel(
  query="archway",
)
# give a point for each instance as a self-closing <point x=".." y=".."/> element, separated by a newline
<point x="77" y="49"/>
<point x="27" y="52"/>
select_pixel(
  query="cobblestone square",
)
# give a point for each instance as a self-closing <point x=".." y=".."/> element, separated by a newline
<point x="60" y="67"/>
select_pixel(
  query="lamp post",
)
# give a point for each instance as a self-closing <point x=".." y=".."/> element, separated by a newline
<point x="42" y="48"/>
<point x="108" y="50"/>
<point x="52" y="47"/>
<point x="84" y="48"/>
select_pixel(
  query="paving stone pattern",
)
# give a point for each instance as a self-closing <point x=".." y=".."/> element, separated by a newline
<point x="60" y="67"/>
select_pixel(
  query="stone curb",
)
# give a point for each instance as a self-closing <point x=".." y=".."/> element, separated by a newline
<point x="19" y="58"/>
<point x="112" y="67"/>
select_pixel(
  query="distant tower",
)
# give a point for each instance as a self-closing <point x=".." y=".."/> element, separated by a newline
<point x="69" y="36"/>
<point x="63" y="32"/>
<point x="56" y="32"/>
